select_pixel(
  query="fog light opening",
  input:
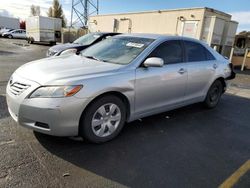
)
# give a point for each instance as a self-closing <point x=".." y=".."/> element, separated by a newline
<point x="42" y="125"/>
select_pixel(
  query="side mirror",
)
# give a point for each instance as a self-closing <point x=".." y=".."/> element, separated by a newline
<point x="69" y="51"/>
<point x="153" y="62"/>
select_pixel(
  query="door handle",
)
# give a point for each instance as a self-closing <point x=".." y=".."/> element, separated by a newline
<point x="215" y="66"/>
<point x="182" y="71"/>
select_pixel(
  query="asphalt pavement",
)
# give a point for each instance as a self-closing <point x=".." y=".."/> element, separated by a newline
<point x="188" y="147"/>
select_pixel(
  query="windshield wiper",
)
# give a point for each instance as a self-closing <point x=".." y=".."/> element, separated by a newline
<point x="95" y="58"/>
<point x="92" y="57"/>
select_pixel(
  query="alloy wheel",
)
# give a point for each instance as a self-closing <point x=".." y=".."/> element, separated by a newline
<point x="106" y="120"/>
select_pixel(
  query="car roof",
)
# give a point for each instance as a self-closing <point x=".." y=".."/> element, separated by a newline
<point x="18" y="29"/>
<point x="160" y="36"/>
<point x="106" y="33"/>
<point x="145" y="35"/>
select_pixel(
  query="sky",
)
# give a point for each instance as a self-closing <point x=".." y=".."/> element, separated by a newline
<point x="239" y="9"/>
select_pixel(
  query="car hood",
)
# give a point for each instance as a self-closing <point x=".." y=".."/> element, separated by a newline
<point x="64" y="69"/>
<point x="61" y="47"/>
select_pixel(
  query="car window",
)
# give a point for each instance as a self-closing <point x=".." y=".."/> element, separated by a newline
<point x="106" y="37"/>
<point x="209" y="55"/>
<point x="196" y="52"/>
<point x="87" y="39"/>
<point x="119" y="50"/>
<point x="170" y="51"/>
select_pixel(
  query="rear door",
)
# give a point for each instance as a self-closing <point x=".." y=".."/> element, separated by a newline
<point x="160" y="87"/>
<point x="201" y="67"/>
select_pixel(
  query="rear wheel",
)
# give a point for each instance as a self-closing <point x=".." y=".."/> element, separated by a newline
<point x="214" y="94"/>
<point x="30" y="40"/>
<point x="103" y="119"/>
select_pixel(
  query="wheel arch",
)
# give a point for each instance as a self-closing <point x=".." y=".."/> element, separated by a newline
<point x="118" y="94"/>
<point x="222" y="80"/>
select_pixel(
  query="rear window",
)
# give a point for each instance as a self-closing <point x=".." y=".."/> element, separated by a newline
<point x="196" y="52"/>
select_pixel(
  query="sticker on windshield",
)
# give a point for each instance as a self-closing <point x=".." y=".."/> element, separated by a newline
<point x="135" y="45"/>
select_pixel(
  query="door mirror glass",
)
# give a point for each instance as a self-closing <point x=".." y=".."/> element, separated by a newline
<point x="153" y="62"/>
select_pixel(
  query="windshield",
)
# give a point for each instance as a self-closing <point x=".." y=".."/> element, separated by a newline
<point x="119" y="50"/>
<point x="87" y="39"/>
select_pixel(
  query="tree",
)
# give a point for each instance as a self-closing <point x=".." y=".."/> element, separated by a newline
<point x="35" y="10"/>
<point x="56" y="11"/>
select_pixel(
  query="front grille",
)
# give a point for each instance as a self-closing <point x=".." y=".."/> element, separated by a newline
<point x="17" y="88"/>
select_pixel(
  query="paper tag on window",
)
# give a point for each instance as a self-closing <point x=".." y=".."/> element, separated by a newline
<point x="135" y="45"/>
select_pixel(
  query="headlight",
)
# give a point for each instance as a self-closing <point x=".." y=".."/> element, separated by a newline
<point x="55" y="91"/>
<point x="51" y="53"/>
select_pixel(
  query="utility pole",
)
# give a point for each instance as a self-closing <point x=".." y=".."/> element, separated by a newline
<point x="81" y="10"/>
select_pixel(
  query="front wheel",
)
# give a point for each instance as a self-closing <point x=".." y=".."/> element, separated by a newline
<point x="103" y="119"/>
<point x="214" y="94"/>
<point x="10" y="36"/>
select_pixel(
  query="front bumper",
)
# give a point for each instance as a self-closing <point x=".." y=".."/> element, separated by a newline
<point x="53" y="116"/>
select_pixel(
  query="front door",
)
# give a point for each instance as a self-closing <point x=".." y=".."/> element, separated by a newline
<point x="158" y="88"/>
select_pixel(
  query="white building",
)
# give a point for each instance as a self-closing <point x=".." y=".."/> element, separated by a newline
<point x="7" y="22"/>
<point x="212" y="26"/>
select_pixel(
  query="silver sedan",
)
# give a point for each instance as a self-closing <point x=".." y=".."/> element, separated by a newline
<point x="118" y="80"/>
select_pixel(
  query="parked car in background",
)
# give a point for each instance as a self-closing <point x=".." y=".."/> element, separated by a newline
<point x="80" y="43"/>
<point x="17" y="33"/>
<point x="117" y="80"/>
<point x="4" y="30"/>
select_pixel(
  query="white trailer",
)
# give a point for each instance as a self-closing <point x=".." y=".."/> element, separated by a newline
<point x="7" y="22"/>
<point x="43" y="29"/>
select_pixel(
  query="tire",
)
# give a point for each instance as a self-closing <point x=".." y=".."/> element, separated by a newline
<point x="52" y="43"/>
<point x="214" y="94"/>
<point x="10" y="36"/>
<point x="96" y="123"/>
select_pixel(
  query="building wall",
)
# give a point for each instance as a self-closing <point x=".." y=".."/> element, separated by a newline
<point x="212" y="26"/>
<point x="159" y="22"/>
<point x="12" y="23"/>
